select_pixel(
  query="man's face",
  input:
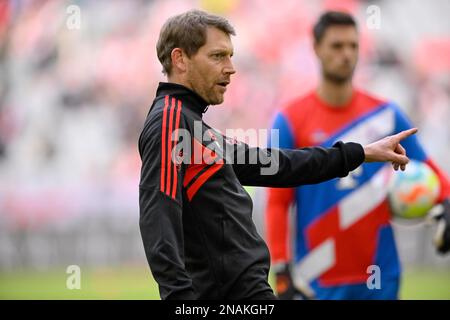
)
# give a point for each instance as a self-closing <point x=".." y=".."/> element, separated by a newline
<point x="338" y="53"/>
<point x="210" y="69"/>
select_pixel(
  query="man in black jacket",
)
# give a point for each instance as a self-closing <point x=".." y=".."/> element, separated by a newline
<point x="195" y="216"/>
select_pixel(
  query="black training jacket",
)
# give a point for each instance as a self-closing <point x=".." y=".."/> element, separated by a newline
<point x="195" y="216"/>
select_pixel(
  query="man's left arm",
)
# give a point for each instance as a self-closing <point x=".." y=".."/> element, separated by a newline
<point x="290" y="168"/>
<point x="285" y="168"/>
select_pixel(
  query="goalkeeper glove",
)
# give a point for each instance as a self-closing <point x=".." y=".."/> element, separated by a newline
<point x="441" y="215"/>
<point x="285" y="287"/>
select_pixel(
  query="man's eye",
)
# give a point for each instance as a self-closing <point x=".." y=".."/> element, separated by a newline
<point x="217" y="55"/>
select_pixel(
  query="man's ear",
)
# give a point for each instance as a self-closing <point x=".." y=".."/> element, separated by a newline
<point x="316" y="48"/>
<point x="179" y="59"/>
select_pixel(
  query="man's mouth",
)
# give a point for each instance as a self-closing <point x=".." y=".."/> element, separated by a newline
<point x="223" y="83"/>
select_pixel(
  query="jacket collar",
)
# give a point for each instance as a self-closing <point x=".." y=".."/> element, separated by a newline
<point x="196" y="102"/>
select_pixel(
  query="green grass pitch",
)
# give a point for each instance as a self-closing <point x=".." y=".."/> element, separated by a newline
<point x="137" y="283"/>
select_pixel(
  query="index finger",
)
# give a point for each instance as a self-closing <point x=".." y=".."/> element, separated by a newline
<point x="404" y="134"/>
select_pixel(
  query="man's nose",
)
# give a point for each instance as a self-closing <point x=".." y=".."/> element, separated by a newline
<point x="348" y="52"/>
<point x="229" y="68"/>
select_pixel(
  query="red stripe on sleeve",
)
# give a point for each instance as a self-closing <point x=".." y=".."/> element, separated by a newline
<point x="163" y="144"/>
<point x="169" y="149"/>
<point x="175" y="175"/>
<point x="277" y="222"/>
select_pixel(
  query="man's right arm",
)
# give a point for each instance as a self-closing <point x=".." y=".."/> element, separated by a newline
<point x="278" y="202"/>
<point x="160" y="202"/>
<point x="277" y="220"/>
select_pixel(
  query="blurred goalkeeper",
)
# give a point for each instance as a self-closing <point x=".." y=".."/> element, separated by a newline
<point x="343" y="225"/>
<point x="195" y="216"/>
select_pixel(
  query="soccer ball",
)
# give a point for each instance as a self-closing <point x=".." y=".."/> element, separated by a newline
<point x="413" y="192"/>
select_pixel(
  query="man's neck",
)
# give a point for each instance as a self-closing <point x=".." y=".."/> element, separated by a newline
<point x="178" y="80"/>
<point x="335" y="94"/>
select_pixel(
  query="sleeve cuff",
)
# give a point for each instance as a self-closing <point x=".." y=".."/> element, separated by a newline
<point x="355" y="155"/>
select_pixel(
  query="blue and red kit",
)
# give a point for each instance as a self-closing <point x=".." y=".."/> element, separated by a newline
<point x="342" y="226"/>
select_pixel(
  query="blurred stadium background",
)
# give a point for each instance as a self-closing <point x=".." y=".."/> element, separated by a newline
<point x="73" y="101"/>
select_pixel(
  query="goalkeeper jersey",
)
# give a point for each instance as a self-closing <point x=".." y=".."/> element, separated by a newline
<point x="342" y="226"/>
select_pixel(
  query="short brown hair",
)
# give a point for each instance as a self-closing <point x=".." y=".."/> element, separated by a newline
<point x="187" y="31"/>
<point x="331" y="18"/>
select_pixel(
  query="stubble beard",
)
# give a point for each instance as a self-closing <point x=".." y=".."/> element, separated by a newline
<point x="209" y="96"/>
<point x="338" y="79"/>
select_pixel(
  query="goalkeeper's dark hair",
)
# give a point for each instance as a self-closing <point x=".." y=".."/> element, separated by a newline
<point x="332" y="18"/>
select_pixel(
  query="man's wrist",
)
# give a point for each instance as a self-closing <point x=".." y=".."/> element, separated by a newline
<point x="368" y="153"/>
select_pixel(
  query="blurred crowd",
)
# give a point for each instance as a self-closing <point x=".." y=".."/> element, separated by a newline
<point x="73" y="99"/>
